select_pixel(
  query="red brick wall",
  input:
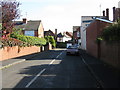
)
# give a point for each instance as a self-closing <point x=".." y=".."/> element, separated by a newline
<point x="12" y="52"/>
<point x="92" y="32"/>
<point x="110" y="53"/>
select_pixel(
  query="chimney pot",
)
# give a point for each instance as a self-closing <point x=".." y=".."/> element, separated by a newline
<point x="114" y="14"/>
<point x="104" y="13"/>
<point x="107" y="13"/>
<point x="56" y="34"/>
<point x="24" y="20"/>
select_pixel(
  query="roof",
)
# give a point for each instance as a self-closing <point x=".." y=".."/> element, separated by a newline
<point x="104" y="20"/>
<point x="75" y="28"/>
<point x="49" y="32"/>
<point x="68" y="34"/>
<point x="100" y="19"/>
<point x="60" y="35"/>
<point x="30" y="25"/>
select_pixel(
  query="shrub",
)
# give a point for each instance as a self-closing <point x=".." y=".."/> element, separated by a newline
<point x="110" y="33"/>
<point x="61" y="45"/>
<point x="11" y="42"/>
<point x="51" y="40"/>
<point x="30" y="40"/>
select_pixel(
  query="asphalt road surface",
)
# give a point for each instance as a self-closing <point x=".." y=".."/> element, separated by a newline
<point x="55" y="69"/>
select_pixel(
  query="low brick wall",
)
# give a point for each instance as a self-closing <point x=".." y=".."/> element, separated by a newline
<point x="110" y="53"/>
<point x="12" y="52"/>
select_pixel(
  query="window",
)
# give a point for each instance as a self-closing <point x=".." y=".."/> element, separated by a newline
<point x="29" y="33"/>
<point x="78" y="34"/>
<point x="87" y="21"/>
<point x="87" y="24"/>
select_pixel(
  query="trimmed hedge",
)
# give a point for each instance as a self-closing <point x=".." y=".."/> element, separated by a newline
<point x="5" y="42"/>
<point x="30" y="40"/>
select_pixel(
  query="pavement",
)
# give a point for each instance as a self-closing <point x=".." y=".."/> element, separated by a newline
<point x="105" y="74"/>
<point x="9" y="62"/>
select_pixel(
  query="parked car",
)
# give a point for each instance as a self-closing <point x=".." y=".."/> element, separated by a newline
<point x="76" y="45"/>
<point x="72" y="50"/>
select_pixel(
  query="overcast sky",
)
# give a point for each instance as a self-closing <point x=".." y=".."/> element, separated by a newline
<point x="63" y="14"/>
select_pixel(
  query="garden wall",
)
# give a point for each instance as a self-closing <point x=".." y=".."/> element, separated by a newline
<point x="12" y="52"/>
<point x="110" y="53"/>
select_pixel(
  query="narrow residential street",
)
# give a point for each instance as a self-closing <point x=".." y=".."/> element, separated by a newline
<point x="55" y="69"/>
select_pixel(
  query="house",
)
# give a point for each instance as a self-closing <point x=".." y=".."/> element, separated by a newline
<point x="92" y="32"/>
<point x="31" y="27"/>
<point x="67" y="36"/>
<point x="76" y="35"/>
<point x="60" y="37"/>
<point x="85" y="22"/>
<point x="49" y="33"/>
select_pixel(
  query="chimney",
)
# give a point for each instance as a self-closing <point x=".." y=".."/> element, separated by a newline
<point x="103" y="12"/>
<point x="119" y="4"/>
<point x="107" y="13"/>
<point x="114" y="14"/>
<point x="56" y="34"/>
<point x="24" y="20"/>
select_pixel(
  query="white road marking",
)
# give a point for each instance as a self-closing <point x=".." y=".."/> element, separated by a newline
<point x="52" y="61"/>
<point x="34" y="78"/>
<point x="39" y="74"/>
<point x="6" y="66"/>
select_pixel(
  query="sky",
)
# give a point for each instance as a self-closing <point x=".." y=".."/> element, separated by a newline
<point x="63" y="14"/>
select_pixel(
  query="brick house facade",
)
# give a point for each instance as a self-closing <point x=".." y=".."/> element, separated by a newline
<point x="31" y="27"/>
<point x="76" y="34"/>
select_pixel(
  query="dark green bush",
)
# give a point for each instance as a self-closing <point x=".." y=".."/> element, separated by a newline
<point x="61" y="45"/>
<point x="110" y="33"/>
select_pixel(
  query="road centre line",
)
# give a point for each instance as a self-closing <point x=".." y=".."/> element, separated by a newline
<point x="39" y="74"/>
<point x="52" y="61"/>
<point x="34" y="78"/>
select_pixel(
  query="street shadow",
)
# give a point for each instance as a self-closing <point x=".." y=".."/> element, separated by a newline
<point x="31" y="72"/>
<point x="46" y="79"/>
<point x="50" y="54"/>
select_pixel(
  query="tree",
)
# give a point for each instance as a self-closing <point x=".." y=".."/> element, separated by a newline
<point x="10" y="12"/>
<point x="51" y="40"/>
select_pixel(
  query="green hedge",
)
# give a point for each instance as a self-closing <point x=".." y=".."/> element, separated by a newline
<point x="51" y="40"/>
<point x="110" y="33"/>
<point x="11" y="42"/>
<point x="30" y="40"/>
<point x="61" y="45"/>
